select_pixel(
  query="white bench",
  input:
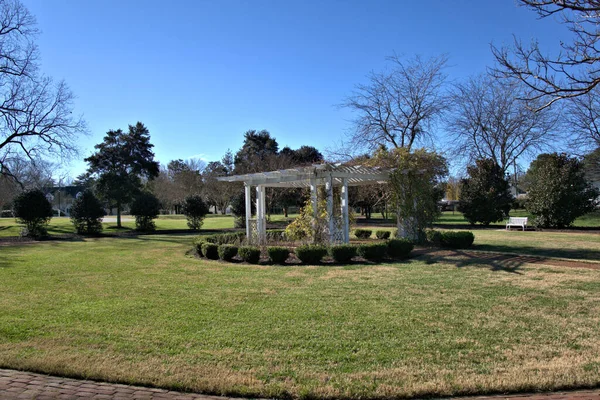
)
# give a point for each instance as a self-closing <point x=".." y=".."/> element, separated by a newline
<point x="517" y="221"/>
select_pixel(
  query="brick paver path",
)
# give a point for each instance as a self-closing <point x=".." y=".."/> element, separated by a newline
<point x="27" y="385"/>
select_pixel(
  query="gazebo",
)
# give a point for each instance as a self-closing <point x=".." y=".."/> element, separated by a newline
<point x="329" y="175"/>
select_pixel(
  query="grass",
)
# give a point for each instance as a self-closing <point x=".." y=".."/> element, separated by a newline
<point x="63" y="225"/>
<point x="139" y="310"/>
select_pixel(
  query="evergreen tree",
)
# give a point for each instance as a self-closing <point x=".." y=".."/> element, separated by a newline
<point x="120" y="163"/>
<point x="485" y="196"/>
<point x="559" y="192"/>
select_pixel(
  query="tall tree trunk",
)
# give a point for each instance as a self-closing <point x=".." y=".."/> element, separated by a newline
<point x="119" y="214"/>
<point x="285" y="211"/>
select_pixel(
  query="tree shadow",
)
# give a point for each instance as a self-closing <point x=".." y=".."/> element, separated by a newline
<point x="574" y="254"/>
<point x="461" y="259"/>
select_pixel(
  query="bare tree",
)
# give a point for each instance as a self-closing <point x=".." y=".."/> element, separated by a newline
<point x="397" y="107"/>
<point x="583" y="116"/>
<point x="35" y="114"/>
<point x="490" y="121"/>
<point x="574" y="71"/>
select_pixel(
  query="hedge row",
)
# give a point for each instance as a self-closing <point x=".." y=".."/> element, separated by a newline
<point x="309" y="254"/>
<point x="452" y="239"/>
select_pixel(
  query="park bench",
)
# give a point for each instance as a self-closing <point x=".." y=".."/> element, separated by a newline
<point x="517" y="221"/>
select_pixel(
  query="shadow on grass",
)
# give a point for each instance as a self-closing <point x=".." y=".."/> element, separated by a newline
<point x="575" y="254"/>
<point x="461" y="259"/>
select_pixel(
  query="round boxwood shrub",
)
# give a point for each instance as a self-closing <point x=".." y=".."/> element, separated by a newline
<point x="434" y="237"/>
<point x="457" y="239"/>
<point x="342" y="253"/>
<point x="372" y="251"/>
<point x="363" y="233"/>
<point x="210" y="250"/>
<point x="382" y="234"/>
<point x="198" y="244"/>
<point x="311" y="253"/>
<point x="278" y="255"/>
<point x="399" y="248"/>
<point x="227" y="252"/>
<point x="33" y="209"/>
<point x="249" y="254"/>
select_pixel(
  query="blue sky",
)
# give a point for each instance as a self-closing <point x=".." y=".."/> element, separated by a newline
<point x="201" y="73"/>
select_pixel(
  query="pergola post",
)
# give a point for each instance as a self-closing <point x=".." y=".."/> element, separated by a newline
<point x="329" y="190"/>
<point x="260" y="214"/>
<point x="345" y="217"/>
<point x="248" y="199"/>
<point x="314" y="203"/>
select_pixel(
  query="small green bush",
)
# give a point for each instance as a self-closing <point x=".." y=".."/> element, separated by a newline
<point x="278" y="255"/>
<point x="194" y="209"/>
<point x="363" y="233"/>
<point x="210" y="250"/>
<point x="87" y="213"/>
<point x="342" y="253"/>
<point x="372" y="251"/>
<point x="434" y="237"/>
<point x="457" y="239"/>
<point x="399" y="248"/>
<point x="226" y="238"/>
<point x="227" y="252"/>
<point x="382" y="234"/>
<point x="145" y="208"/>
<point x="33" y="209"/>
<point x="249" y="254"/>
<point x="311" y="253"/>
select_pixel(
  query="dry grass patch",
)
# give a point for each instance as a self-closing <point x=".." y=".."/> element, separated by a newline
<point x="141" y="311"/>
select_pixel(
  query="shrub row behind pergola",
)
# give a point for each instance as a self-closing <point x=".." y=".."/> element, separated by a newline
<point x="329" y="175"/>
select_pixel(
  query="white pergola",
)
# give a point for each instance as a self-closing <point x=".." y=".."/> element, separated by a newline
<point x="329" y="175"/>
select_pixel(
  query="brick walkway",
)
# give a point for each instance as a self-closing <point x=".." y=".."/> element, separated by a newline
<point x="26" y="385"/>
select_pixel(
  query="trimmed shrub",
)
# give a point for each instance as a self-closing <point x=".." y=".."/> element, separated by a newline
<point x="227" y="252"/>
<point x="226" y="238"/>
<point x="33" y="209"/>
<point x="399" y="248"/>
<point x="342" y="253"/>
<point x="249" y="254"/>
<point x="194" y="209"/>
<point x="278" y="255"/>
<point x="382" y="234"/>
<point x="210" y="250"/>
<point x="372" y="251"/>
<point x="457" y="239"/>
<point x="87" y="213"/>
<point x="434" y="237"/>
<point x="363" y="233"/>
<point x="198" y="245"/>
<point x="311" y="253"/>
<point x="145" y="208"/>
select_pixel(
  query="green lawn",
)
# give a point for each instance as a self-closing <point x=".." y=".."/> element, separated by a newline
<point x="139" y="310"/>
<point x="63" y="225"/>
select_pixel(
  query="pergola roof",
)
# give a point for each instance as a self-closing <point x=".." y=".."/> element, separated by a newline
<point x="318" y="173"/>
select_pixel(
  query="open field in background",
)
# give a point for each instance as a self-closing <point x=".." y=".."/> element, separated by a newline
<point x="139" y="310"/>
<point x="63" y="225"/>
